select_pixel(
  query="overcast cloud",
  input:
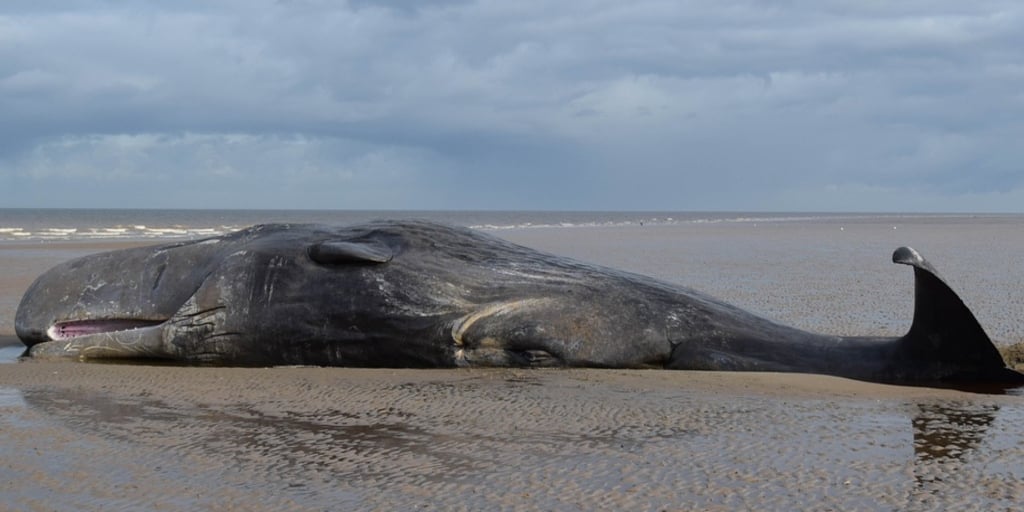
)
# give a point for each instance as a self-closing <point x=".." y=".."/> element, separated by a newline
<point x="657" y="105"/>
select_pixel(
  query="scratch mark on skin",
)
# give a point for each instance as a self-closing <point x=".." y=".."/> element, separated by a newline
<point x="222" y="335"/>
<point x="201" y="312"/>
<point x="159" y="276"/>
<point x="273" y="266"/>
<point x="202" y="324"/>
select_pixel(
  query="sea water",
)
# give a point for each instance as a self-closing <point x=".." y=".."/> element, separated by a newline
<point x="25" y="224"/>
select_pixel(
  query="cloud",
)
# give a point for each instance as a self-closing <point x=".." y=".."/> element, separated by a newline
<point x="214" y="169"/>
<point x="460" y="104"/>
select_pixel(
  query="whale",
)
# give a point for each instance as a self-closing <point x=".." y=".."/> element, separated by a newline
<point x="414" y="294"/>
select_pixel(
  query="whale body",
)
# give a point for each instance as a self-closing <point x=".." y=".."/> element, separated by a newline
<point x="420" y="294"/>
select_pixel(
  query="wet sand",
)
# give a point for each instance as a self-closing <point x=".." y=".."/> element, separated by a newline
<point x="107" y="437"/>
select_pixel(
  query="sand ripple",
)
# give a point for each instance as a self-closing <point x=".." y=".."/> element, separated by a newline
<point x="314" y="439"/>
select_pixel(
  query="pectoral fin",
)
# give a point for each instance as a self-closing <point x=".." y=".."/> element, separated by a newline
<point x="336" y="252"/>
<point x="511" y="333"/>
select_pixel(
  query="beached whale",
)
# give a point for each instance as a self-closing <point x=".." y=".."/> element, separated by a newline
<point x="419" y="294"/>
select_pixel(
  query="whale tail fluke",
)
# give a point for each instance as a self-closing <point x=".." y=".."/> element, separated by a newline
<point x="945" y="331"/>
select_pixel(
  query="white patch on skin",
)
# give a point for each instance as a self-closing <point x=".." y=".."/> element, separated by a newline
<point x="382" y="285"/>
<point x="94" y="287"/>
<point x="534" y="276"/>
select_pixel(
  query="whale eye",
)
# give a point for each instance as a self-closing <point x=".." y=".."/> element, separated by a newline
<point x="335" y="252"/>
<point x="534" y="358"/>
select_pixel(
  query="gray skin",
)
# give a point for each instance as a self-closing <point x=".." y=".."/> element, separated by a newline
<point x="418" y="294"/>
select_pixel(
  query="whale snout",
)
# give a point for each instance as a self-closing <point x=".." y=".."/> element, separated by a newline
<point x="113" y="299"/>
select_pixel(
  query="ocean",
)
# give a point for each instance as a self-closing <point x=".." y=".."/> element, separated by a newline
<point x="25" y="224"/>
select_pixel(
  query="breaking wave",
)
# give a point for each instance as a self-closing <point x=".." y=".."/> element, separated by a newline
<point x="85" y="225"/>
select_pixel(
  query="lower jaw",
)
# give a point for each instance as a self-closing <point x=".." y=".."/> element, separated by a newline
<point x="138" y="342"/>
<point x="73" y="329"/>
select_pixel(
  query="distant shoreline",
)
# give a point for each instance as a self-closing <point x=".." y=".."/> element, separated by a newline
<point x="18" y="225"/>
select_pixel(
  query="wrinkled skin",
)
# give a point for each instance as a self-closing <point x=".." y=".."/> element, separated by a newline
<point x="417" y="294"/>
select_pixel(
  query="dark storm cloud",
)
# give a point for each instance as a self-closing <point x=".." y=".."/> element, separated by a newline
<point x="458" y="104"/>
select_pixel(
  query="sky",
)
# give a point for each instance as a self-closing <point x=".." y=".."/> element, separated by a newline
<point x="759" y="105"/>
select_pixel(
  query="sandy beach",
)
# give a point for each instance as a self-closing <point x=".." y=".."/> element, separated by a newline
<point x="79" y="436"/>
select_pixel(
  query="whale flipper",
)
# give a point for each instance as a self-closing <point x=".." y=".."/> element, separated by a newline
<point x="944" y="329"/>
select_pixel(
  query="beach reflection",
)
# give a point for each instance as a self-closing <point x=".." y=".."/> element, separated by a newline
<point x="950" y="431"/>
<point x="542" y="435"/>
<point x="944" y="433"/>
<point x="949" y="437"/>
<point x="11" y="397"/>
<point x="10" y="353"/>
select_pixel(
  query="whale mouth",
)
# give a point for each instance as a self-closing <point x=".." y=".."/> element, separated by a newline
<point x="76" y="328"/>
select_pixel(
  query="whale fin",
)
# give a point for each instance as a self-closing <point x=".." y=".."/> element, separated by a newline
<point x="333" y="252"/>
<point x="944" y="328"/>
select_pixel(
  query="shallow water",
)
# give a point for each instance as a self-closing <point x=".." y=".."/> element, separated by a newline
<point x="26" y="224"/>
<point x="10" y="353"/>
